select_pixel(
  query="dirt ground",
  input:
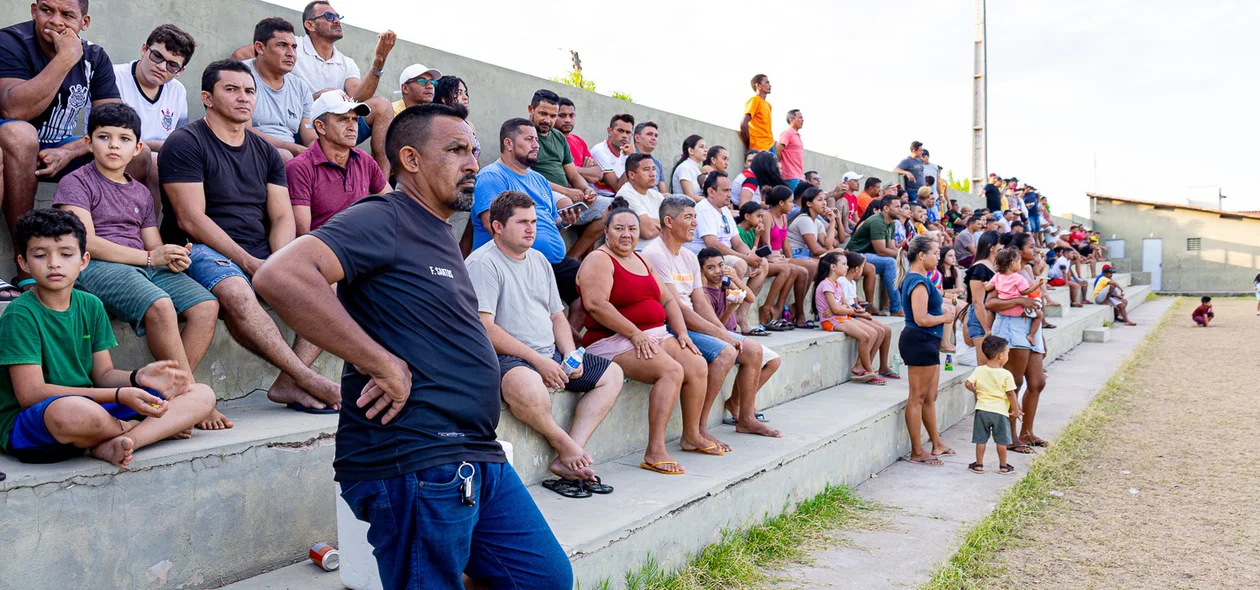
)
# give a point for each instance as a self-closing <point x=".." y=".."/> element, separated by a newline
<point x="1187" y="440"/>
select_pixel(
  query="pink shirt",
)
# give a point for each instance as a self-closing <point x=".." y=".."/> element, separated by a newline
<point x="820" y="299"/>
<point x="325" y="187"/>
<point x="1010" y="286"/>
<point x="793" y="162"/>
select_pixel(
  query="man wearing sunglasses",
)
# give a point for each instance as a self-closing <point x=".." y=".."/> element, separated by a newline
<point x="418" y="83"/>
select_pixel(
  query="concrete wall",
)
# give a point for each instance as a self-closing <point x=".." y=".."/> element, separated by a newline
<point x="1229" y="255"/>
<point x="220" y="26"/>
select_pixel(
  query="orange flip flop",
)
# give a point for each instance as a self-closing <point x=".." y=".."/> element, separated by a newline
<point x="706" y="450"/>
<point x="657" y="467"/>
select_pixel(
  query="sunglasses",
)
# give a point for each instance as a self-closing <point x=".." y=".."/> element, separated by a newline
<point x="328" y="16"/>
<point x="422" y="81"/>
<point x="173" y="67"/>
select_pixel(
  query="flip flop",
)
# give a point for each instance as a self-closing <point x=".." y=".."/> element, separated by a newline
<point x="777" y="326"/>
<point x="948" y="453"/>
<point x="1041" y="442"/>
<point x="705" y="450"/>
<point x="757" y="331"/>
<point x="1021" y="449"/>
<point x="569" y="488"/>
<point x="862" y="376"/>
<point x="890" y="375"/>
<point x="731" y="421"/>
<point x="657" y="467"/>
<point x="310" y="410"/>
<point x="877" y="381"/>
<point x="5" y="286"/>
<point x="933" y="462"/>
<point x="596" y="485"/>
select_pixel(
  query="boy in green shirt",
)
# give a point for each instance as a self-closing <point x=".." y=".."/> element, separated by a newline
<point x="59" y="391"/>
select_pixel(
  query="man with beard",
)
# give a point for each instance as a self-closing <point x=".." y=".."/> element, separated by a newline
<point x="556" y="164"/>
<point x="565" y="122"/>
<point x="646" y="135"/>
<point x="422" y="372"/>
<point x="518" y="144"/>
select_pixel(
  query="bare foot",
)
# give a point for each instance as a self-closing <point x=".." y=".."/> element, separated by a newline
<point x="181" y="435"/>
<point x="948" y="349"/>
<point x="127" y="425"/>
<point x="897" y="314"/>
<point x="731" y="407"/>
<point x="706" y="446"/>
<point x="563" y="472"/>
<point x="1032" y="339"/>
<point x="571" y="456"/>
<point x="217" y="421"/>
<point x="117" y="451"/>
<point x="721" y="445"/>
<point x="286" y="391"/>
<point x="756" y="427"/>
<point x="323" y="388"/>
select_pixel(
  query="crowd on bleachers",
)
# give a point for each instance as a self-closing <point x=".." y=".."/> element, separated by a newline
<point x="659" y="280"/>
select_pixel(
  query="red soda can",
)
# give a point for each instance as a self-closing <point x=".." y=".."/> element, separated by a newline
<point x="325" y="556"/>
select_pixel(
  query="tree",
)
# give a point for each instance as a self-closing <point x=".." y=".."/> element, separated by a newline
<point x="576" y="79"/>
<point x="955" y="185"/>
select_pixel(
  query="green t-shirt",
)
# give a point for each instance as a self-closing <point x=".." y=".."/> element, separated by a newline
<point x="748" y="236"/>
<point x="553" y="154"/>
<point x="62" y="342"/>
<point x="873" y="229"/>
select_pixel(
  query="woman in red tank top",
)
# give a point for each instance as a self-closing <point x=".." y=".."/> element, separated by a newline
<point x="627" y="308"/>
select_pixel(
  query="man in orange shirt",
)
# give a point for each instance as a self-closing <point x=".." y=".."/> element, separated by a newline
<point x="870" y="192"/>
<point x="755" y="130"/>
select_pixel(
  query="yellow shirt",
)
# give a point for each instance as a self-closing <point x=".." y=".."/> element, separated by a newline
<point x="760" y="135"/>
<point x="991" y="387"/>
<point x="399" y="105"/>
<point x="1101" y="286"/>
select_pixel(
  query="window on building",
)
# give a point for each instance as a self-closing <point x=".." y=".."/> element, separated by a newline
<point x="1193" y="244"/>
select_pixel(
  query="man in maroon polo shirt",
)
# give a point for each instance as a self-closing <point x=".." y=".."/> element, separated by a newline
<point x="332" y="174"/>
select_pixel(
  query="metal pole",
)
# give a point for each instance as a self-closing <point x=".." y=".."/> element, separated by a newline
<point x="980" y="113"/>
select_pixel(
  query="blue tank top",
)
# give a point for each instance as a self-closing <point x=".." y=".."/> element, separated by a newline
<point x="908" y="285"/>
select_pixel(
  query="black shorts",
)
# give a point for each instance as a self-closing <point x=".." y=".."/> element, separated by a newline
<point x="919" y="348"/>
<point x="1085" y="249"/>
<point x="566" y="278"/>
<point x="593" y="368"/>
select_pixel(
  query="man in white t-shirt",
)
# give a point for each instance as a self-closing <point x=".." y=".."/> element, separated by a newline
<point x="679" y="269"/>
<point x="929" y="169"/>
<point x="640" y="193"/>
<point x="611" y="154"/>
<point x="325" y="68"/>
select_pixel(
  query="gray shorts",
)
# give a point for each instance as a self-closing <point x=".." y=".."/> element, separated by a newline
<point x="989" y="423"/>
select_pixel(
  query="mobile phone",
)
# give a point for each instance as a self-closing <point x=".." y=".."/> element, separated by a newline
<point x="763" y="251"/>
<point x="578" y="206"/>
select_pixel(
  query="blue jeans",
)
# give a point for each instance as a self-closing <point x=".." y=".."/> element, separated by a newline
<point x="424" y="536"/>
<point x="886" y="268"/>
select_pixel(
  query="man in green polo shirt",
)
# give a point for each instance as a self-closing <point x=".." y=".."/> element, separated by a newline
<point x="555" y="163"/>
<point x="874" y="240"/>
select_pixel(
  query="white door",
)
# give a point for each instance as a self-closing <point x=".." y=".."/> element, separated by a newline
<point x="1153" y="260"/>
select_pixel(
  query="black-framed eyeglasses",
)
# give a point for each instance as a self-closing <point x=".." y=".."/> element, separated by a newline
<point x="329" y="16"/>
<point x="173" y="67"/>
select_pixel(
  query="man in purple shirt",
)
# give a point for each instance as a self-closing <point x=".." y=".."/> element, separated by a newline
<point x="332" y="174"/>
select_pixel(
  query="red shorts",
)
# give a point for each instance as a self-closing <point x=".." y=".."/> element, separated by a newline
<point x="1057" y="282"/>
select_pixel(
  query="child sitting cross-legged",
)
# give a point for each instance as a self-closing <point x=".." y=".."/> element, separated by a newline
<point x="996" y="404"/>
<point x="59" y="391"/>
<point x="835" y="316"/>
<point x="1010" y="284"/>
<point x="139" y="279"/>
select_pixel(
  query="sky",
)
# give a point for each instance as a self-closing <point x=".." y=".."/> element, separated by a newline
<point x="1143" y="99"/>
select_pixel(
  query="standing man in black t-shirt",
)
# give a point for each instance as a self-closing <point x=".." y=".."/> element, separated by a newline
<point x="225" y="193"/>
<point x="416" y="452"/>
<point x="48" y="76"/>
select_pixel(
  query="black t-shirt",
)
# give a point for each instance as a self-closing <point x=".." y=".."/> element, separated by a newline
<point x="1031" y="202"/>
<point x="992" y="198"/>
<point x="406" y="286"/>
<point x="955" y="220"/>
<point x="235" y="180"/>
<point x="90" y="79"/>
<point x="977" y="272"/>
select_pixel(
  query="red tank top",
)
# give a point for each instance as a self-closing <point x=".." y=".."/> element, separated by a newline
<point x="637" y="297"/>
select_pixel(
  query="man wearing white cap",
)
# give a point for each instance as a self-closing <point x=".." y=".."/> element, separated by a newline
<point x="418" y="84"/>
<point x="332" y="174"/>
<point x="849" y="183"/>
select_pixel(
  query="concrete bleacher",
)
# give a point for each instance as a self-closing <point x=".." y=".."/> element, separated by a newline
<point x="223" y="506"/>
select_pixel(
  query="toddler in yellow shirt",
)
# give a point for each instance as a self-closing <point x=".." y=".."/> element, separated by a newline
<point x="996" y="404"/>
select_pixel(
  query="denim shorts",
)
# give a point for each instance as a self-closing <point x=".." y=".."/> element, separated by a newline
<point x="31" y="442"/>
<point x="365" y="131"/>
<point x="802" y="253"/>
<point x="424" y="536"/>
<point x="974" y="328"/>
<point x="709" y="346"/>
<point x="1015" y="329"/>
<point x="209" y="268"/>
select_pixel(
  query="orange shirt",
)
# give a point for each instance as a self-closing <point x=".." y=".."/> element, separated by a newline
<point x="863" y="201"/>
<point x="760" y="135"/>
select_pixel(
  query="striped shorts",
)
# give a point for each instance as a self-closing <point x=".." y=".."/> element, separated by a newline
<point x="129" y="291"/>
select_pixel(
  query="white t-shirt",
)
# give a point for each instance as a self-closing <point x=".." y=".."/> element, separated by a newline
<point x="158" y="118"/>
<point x="682" y="269"/>
<point x="608" y="163"/>
<point x="690" y="170"/>
<point x="804" y="225"/>
<point x="321" y="74"/>
<point x="641" y="204"/>
<point x="848" y="291"/>
<point x="712" y="222"/>
<point x="737" y="189"/>
<point x="1060" y="268"/>
<point x="933" y="170"/>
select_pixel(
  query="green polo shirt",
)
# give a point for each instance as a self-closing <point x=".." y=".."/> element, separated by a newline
<point x="874" y="228"/>
<point x="553" y="154"/>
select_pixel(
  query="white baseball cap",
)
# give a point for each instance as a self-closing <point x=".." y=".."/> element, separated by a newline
<point x="414" y="71"/>
<point x="850" y="175"/>
<point x="337" y="103"/>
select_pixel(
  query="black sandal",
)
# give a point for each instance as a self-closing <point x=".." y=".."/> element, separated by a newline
<point x="596" y="486"/>
<point x="976" y="468"/>
<point x="777" y="326"/>
<point x="569" y="488"/>
<point x="1006" y="470"/>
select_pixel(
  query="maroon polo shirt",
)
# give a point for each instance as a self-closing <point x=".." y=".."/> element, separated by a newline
<point x="327" y="188"/>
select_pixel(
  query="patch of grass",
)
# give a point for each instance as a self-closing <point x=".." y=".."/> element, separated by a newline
<point x="740" y="559"/>
<point x="1152" y="296"/>
<point x="1108" y="324"/>
<point x="975" y="562"/>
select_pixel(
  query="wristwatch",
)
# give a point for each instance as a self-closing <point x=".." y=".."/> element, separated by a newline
<point x="378" y="73"/>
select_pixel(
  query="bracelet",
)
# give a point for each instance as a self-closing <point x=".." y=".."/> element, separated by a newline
<point x="377" y="73"/>
<point x="148" y="256"/>
<point x="134" y="383"/>
<point x="116" y="395"/>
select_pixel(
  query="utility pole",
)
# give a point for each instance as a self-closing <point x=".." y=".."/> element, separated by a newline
<point x="980" y="113"/>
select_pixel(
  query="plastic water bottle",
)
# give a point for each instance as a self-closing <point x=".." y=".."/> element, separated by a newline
<point x="949" y="362"/>
<point x="573" y="361"/>
<point x="787" y="314"/>
<point x="896" y="364"/>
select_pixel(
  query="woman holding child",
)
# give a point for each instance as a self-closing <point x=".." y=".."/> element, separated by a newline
<point x="1027" y="355"/>
<point x="920" y="349"/>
